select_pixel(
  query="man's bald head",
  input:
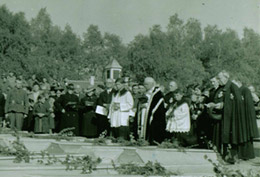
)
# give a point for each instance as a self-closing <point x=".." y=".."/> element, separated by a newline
<point x="173" y="86"/>
<point x="251" y="88"/>
<point x="237" y="82"/>
<point x="223" y="77"/>
<point x="149" y="80"/>
<point x="110" y="83"/>
<point x="18" y="83"/>
<point x="149" y="83"/>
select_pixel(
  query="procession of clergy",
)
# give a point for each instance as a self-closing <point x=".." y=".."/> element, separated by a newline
<point x="223" y="115"/>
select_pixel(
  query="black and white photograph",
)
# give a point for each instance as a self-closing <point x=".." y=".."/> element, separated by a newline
<point x="117" y="88"/>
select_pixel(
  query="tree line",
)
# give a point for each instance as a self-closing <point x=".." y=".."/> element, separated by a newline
<point x="183" y="52"/>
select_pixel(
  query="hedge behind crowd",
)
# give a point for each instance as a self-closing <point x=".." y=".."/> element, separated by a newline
<point x="184" y="52"/>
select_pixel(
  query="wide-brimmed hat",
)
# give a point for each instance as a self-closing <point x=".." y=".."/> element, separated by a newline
<point x="101" y="86"/>
<point x="90" y="89"/>
<point x="70" y="86"/>
<point x="58" y="88"/>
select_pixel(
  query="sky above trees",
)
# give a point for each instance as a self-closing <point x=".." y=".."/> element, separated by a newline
<point x="185" y="51"/>
<point x="128" y="18"/>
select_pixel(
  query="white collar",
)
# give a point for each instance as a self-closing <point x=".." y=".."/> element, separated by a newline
<point x="151" y="90"/>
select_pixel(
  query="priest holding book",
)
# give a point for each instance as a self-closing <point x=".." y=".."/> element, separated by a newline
<point x="68" y="105"/>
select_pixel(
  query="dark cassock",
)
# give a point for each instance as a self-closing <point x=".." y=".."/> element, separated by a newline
<point x="88" y="121"/>
<point x="56" y="108"/>
<point x="204" y="125"/>
<point x="169" y="99"/>
<point x="196" y="108"/>
<point x="234" y="131"/>
<point x="103" y="103"/>
<point x="58" y="113"/>
<point x="216" y="118"/>
<point x="152" y="122"/>
<point x="246" y="148"/>
<point x="68" y="105"/>
<point x="133" y="119"/>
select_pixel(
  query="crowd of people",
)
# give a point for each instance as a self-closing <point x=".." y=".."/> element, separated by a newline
<point x="223" y="112"/>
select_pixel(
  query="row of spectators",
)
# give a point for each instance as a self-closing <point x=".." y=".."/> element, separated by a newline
<point x="194" y="117"/>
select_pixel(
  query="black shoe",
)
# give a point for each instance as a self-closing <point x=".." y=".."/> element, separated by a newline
<point x="230" y="160"/>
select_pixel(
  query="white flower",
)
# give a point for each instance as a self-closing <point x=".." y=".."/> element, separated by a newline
<point x="220" y="94"/>
<point x="231" y="96"/>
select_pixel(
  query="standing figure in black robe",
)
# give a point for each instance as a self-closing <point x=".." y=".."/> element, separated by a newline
<point x="246" y="149"/>
<point x="215" y="98"/>
<point x="196" y="109"/>
<point x="88" y="123"/>
<point x="216" y="118"/>
<point x="233" y="125"/>
<point x="204" y="122"/>
<point x="153" y="122"/>
<point x="102" y="109"/>
<point x="133" y="117"/>
<point x="55" y="94"/>
<point x="68" y="105"/>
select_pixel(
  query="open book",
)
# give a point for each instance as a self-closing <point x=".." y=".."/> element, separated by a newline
<point x="101" y="110"/>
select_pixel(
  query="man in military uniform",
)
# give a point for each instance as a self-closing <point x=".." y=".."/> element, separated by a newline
<point x="17" y="105"/>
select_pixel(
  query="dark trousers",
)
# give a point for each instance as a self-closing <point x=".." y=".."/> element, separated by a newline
<point x="102" y="125"/>
<point x="184" y="139"/>
<point x="28" y="122"/>
<point x="1" y="121"/>
<point x="57" y="121"/>
<point x="70" y="119"/>
<point x="120" y="132"/>
<point x="16" y="120"/>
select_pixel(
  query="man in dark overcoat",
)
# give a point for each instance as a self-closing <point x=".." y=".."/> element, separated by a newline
<point x="68" y="105"/>
<point x="234" y="131"/>
<point x="88" y="122"/>
<point x="103" y="103"/>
